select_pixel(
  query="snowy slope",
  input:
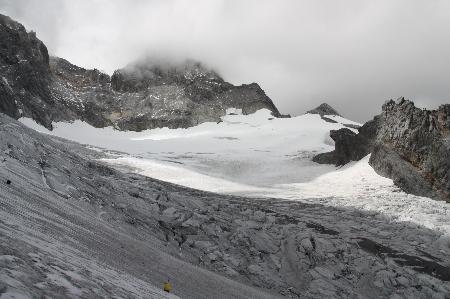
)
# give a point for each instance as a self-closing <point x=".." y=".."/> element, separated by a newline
<point x="258" y="155"/>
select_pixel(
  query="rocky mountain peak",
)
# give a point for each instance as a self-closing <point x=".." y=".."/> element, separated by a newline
<point x="24" y="73"/>
<point x="324" y="109"/>
<point x="21" y="47"/>
<point x="144" y="95"/>
<point x="143" y="74"/>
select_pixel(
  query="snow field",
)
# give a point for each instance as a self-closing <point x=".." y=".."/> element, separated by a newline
<point x="259" y="156"/>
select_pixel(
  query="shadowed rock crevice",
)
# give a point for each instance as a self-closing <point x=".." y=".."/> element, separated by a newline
<point x="419" y="264"/>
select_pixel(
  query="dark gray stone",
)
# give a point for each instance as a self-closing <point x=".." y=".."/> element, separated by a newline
<point x="349" y="146"/>
<point x="389" y="163"/>
<point x="421" y="139"/>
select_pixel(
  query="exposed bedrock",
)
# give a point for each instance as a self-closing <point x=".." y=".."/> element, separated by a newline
<point x="350" y="146"/>
<point x="24" y="74"/>
<point x="407" y="144"/>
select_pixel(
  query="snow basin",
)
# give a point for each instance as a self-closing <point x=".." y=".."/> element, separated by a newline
<point x="258" y="155"/>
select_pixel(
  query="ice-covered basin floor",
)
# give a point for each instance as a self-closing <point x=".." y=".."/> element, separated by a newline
<point x="258" y="155"/>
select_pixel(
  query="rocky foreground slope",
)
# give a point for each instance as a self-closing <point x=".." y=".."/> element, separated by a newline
<point x="72" y="227"/>
<point x="408" y="144"/>
<point x="140" y="96"/>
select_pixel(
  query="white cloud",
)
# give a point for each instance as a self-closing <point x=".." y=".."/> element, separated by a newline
<point x="352" y="54"/>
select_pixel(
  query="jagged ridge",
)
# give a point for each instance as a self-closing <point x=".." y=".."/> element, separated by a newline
<point x="408" y="144"/>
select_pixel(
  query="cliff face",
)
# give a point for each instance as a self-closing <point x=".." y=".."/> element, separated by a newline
<point x="413" y="148"/>
<point x="407" y="144"/>
<point x="25" y="75"/>
<point x="141" y="96"/>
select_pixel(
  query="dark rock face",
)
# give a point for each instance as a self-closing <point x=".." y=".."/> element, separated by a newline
<point x="137" y="97"/>
<point x="389" y="163"/>
<point x="419" y="138"/>
<point x="408" y="144"/>
<point x="195" y="93"/>
<point x="147" y="96"/>
<point x="324" y="109"/>
<point x="350" y="146"/>
<point x="25" y="74"/>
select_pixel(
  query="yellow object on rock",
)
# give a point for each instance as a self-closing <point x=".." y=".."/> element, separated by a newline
<point x="167" y="287"/>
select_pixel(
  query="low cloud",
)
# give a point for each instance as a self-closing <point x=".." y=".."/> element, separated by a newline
<point x="353" y="54"/>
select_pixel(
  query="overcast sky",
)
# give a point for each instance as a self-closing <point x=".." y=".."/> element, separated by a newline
<point x="352" y="54"/>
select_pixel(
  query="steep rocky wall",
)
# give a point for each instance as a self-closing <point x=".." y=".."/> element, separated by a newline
<point x="408" y="144"/>
<point x="413" y="148"/>
<point x="24" y="74"/>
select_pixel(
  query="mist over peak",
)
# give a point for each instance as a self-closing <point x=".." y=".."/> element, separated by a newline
<point x="354" y="56"/>
<point x="153" y="67"/>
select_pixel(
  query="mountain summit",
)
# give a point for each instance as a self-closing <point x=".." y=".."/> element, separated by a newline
<point x="143" y="95"/>
<point x="324" y="109"/>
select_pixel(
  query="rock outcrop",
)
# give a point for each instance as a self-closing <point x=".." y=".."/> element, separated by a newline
<point x="25" y="76"/>
<point x="408" y="144"/>
<point x="413" y="148"/>
<point x="140" y="96"/>
<point x="350" y="146"/>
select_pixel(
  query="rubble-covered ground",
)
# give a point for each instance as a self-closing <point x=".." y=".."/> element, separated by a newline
<point x="73" y="227"/>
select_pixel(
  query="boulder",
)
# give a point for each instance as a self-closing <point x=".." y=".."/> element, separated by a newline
<point x="350" y="146"/>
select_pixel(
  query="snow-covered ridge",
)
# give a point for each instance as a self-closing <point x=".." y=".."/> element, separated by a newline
<point x="258" y="155"/>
